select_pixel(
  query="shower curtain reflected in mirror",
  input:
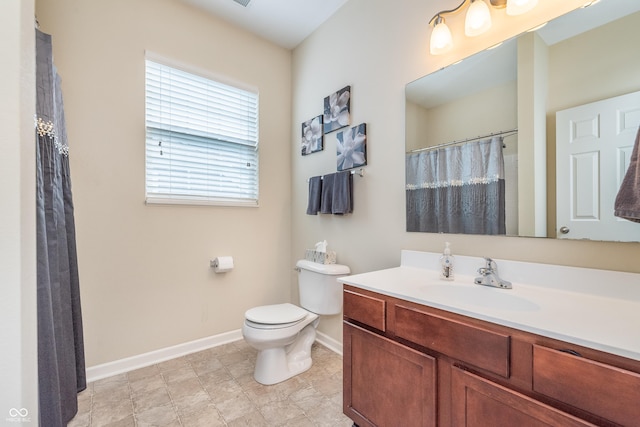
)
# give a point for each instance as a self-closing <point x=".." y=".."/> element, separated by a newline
<point x="457" y="189"/>
<point x="61" y="365"/>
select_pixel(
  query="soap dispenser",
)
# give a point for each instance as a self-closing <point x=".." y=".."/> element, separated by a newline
<point x="446" y="263"/>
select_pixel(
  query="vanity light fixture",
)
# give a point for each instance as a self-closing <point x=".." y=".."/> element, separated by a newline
<point x="477" y="20"/>
<point x="441" y="40"/>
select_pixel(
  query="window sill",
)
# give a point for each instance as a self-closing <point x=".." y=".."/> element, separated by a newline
<point x="160" y="201"/>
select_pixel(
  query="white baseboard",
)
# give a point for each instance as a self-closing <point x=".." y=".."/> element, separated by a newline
<point x="146" y="359"/>
<point x="116" y="367"/>
<point x="330" y="343"/>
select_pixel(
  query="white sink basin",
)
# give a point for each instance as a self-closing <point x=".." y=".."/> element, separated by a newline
<point x="477" y="295"/>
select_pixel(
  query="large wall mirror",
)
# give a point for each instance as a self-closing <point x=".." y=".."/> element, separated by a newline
<point x="563" y="105"/>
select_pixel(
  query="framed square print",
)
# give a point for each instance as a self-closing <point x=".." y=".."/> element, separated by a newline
<point x="312" y="136"/>
<point x="337" y="109"/>
<point x="352" y="147"/>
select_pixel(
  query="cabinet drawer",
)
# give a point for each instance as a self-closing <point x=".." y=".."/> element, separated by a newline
<point x="479" y="347"/>
<point x="365" y="309"/>
<point x="603" y="390"/>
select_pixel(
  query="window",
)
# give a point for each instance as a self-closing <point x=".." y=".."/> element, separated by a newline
<point x="202" y="140"/>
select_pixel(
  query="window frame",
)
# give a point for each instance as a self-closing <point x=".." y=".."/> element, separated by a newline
<point x="190" y="199"/>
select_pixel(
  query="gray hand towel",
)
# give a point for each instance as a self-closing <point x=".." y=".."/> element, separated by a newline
<point x="315" y="194"/>
<point x="627" y="204"/>
<point x="342" y="200"/>
<point x="327" y="194"/>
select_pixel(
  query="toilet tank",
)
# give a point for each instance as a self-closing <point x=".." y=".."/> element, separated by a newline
<point x="320" y="291"/>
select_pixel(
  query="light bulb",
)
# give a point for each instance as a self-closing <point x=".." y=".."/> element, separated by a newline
<point x="478" y="18"/>
<point x="441" y="40"/>
<point x="518" y="7"/>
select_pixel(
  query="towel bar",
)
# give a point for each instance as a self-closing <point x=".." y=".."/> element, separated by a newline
<point x="359" y="172"/>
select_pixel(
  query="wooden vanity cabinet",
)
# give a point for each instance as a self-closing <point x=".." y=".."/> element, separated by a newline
<point x="406" y="364"/>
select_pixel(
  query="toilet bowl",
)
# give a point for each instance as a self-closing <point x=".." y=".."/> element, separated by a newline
<point x="283" y="348"/>
<point x="284" y="333"/>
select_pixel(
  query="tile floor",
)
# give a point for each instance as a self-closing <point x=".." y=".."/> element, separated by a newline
<point x="215" y="387"/>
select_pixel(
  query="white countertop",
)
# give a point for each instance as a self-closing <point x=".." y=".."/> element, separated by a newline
<point x="593" y="308"/>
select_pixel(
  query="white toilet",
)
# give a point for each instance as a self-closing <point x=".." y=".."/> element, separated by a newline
<point x="283" y="333"/>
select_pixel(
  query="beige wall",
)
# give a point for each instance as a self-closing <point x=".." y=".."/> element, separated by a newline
<point x="144" y="270"/>
<point x="18" y="362"/>
<point x="377" y="48"/>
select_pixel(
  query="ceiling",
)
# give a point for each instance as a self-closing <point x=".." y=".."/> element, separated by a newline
<point x="283" y="22"/>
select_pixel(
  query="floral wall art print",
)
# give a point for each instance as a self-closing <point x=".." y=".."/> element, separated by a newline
<point x="352" y="147"/>
<point x="312" y="136"/>
<point x="336" y="109"/>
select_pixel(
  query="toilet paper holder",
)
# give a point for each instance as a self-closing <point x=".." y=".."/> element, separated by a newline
<point x="222" y="264"/>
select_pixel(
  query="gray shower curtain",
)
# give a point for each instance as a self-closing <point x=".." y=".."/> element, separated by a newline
<point x="61" y="366"/>
<point x="457" y="189"/>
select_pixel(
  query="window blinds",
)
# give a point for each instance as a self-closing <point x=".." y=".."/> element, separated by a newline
<point x="201" y="140"/>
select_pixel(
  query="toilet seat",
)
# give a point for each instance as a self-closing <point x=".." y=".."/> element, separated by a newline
<point x="275" y="316"/>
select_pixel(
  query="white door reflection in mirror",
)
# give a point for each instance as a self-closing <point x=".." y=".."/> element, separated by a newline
<point x="593" y="145"/>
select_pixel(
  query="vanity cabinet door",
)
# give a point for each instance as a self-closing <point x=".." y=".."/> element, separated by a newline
<point x="385" y="383"/>
<point x="477" y="402"/>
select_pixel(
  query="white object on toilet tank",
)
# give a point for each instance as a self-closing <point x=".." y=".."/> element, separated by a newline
<point x="320" y="291"/>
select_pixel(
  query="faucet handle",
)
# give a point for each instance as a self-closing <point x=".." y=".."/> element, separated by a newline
<point x="490" y="266"/>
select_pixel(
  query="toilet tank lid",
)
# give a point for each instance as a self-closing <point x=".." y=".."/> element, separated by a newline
<point x="330" y="269"/>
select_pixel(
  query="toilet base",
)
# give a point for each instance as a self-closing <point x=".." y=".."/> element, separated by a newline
<point x="275" y="365"/>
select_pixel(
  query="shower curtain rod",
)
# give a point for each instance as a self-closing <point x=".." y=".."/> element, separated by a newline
<point x="446" y="144"/>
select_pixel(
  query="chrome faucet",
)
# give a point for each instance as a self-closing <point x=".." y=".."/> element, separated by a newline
<point x="489" y="276"/>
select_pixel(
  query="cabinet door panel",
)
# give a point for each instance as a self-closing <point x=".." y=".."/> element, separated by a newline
<point x="478" y="402"/>
<point x="385" y="383"/>
<point x="565" y="377"/>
